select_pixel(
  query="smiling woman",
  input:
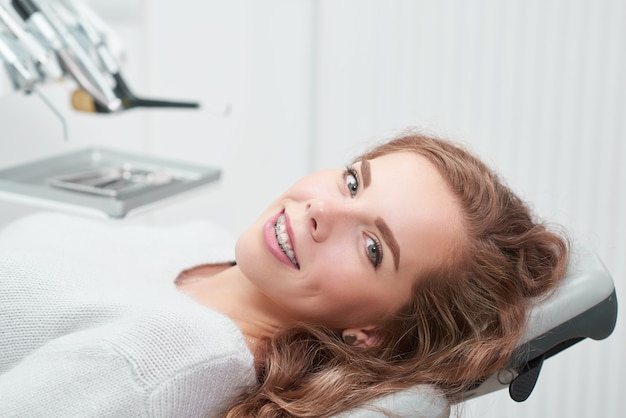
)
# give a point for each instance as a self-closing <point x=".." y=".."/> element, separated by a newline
<point x="413" y="267"/>
<point x="417" y="266"/>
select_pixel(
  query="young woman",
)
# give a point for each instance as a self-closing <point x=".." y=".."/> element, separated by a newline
<point x="415" y="265"/>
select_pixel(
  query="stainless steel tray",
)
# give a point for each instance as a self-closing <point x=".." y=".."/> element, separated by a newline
<point x="109" y="181"/>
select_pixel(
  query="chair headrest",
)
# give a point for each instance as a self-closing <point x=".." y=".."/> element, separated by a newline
<point x="584" y="305"/>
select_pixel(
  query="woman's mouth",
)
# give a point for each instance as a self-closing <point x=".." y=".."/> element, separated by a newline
<point x="284" y="241"/>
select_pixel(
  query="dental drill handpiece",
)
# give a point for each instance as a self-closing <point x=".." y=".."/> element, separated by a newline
<point x="45" y="65"/>
<point x="109" y="63"/>
<point x="104" y="54"/>
<point x="23" y="78"/>
<point x="81" y="67"/>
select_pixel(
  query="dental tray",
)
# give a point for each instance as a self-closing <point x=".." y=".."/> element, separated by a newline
<point x="114" y="180"/>
<point x="104" y="180"/>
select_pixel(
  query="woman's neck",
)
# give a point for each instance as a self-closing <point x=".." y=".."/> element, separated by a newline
<point x="227" y="290"/>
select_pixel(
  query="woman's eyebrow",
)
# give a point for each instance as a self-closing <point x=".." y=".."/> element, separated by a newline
<point x="366" y="173"/>
<point x="388" y="237"/>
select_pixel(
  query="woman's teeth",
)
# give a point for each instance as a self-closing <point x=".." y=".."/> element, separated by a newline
<point x="283" y="240"/>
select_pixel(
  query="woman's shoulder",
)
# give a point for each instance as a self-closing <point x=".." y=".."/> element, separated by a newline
<point x="193" y="357"/>
<point x="175" y="329"/>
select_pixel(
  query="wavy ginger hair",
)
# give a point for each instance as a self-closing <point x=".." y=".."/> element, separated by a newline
<point x="461" y="325"/>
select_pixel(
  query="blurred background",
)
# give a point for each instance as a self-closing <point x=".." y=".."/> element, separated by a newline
<point x="536" y="87"/>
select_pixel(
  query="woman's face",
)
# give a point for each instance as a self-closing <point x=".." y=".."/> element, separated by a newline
<point x="343" y="248"/>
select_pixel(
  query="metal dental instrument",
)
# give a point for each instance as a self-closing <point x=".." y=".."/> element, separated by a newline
<point x="22" y="77"/>
<point x="70" y="53"/>
<point x="45" y="65"/>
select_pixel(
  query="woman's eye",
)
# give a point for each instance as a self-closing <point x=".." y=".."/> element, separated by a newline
<point x="352" y="181"/>
<point x="374" y="251"/>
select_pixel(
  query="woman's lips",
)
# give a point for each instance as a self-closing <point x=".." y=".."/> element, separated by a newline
<point x="269" y="235"/>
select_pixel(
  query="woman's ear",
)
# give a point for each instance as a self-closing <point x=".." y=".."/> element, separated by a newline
<point x="366" y="337"/>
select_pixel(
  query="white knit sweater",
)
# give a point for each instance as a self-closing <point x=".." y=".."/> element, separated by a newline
<point x="91" y="324"/>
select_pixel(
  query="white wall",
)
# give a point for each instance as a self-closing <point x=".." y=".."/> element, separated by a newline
<point x="535" y="87"/>
<point x="254" y="56"/>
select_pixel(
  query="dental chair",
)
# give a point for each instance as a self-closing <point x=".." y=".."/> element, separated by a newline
<point x="583" y="306"/>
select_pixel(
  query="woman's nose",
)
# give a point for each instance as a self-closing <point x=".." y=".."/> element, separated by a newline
<point x="324" y="216"/>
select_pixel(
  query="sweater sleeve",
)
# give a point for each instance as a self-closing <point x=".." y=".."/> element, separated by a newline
<point x="44" y="368"/>
<point x="90" y="357"/>
<point x="86" y="382"/>
<point x="96" y="380"/>
<point x="134" y="368"/>
<point x="77" y="340"/>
